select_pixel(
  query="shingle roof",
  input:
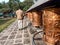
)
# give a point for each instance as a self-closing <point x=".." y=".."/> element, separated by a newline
<point x="39" y="2"/>
<point x="43" y="3"/>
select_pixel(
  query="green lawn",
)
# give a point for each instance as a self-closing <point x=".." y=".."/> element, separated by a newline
<point x="4" y="23"/>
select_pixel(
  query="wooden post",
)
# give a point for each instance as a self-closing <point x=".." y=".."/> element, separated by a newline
<point x="30" y="16"/>
<point x="51" y="21"/>
<point x="37" y="20"/>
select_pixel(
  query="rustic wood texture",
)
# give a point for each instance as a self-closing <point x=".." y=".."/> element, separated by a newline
<point x="35" y="17"/>
<point x="30" y="16"/>
<point x="37" y="20"/>
<point x="51" y="21"/>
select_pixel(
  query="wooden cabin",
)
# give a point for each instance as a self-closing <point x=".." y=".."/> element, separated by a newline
<point x="46" y="13"/>
<point x="35" y="18"/>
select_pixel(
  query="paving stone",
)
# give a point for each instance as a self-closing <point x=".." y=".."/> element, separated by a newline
<point x="18" y="40"/>
<point x="9" y="30"/>
<point x="26" y="35"/>
<point x="16" y="37"/>
<point x="12" y="37"/>
<point x="13" y="33"/>
<point x="1" y="34"/>
<point x="26" y="41"/>
<point x="20" y="31"/>
<point x="4" y="38"/>
<point x="39" y="42"/>
<point x="9" y="42"/>
<point x="32" y="31"/>
<point x="2" y="42"/>
<point x="15" y="29"/>
<point x="18" y="44"/>
<point x="6" y="34"/>
<point x="25" y="31"/>
<point x="19" y="36"/>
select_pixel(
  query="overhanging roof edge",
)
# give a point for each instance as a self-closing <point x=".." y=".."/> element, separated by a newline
<point x="40" y="2"/>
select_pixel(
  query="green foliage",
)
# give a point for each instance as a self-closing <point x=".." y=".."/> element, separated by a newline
<point x="15" y="4"/>
<point x="27" y="4"/>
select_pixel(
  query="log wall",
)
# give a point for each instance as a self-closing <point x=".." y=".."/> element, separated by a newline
<point x="51" y="22"/>
<point x="35" y="17"/>
<point x="30" y="16"/>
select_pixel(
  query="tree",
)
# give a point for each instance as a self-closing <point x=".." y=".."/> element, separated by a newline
<point x="14" y="4"/>
<point x="27" y="4"/>
<point x="4" y="6"/>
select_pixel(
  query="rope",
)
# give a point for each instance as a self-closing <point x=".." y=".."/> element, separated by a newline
<point x="25" y="22"/>
<point x="37" y="38"/>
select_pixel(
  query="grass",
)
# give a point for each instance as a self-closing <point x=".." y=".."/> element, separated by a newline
<point x="4" y="23"/>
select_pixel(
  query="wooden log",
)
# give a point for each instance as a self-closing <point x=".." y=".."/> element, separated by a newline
<point x="37" y="20"/>
<point x="51" y="22"/>
<point x="30" y="16"/>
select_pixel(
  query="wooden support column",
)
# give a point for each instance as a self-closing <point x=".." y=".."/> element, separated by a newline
<point x="37" y="20"/>
<point x="29" y="15"/>
<point x="51" y="21"/>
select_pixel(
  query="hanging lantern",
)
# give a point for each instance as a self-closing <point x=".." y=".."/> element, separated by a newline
<point x="51" y="21"/>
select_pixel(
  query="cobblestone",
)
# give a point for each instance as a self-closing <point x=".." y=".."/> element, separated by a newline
<point x="18" y="40"/>
<point x="26" y="41"/>
<point x="19" y="36"/>
<point x="26" y="35"/>
<point x="18" y="44"/>
<point x="25" y="31"/>
<point x="9" y="42"/>
<point x="2" y="42"/>
<point x="12" y="36"/>
<point x="3" y="38"/>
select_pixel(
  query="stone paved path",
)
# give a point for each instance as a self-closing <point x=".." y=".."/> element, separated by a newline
<point x="13" y="36"/>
